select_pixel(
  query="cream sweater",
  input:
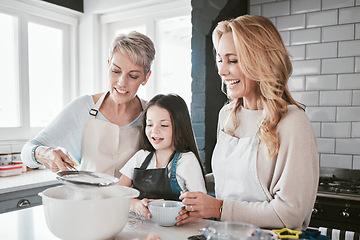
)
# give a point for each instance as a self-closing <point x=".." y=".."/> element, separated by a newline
<point x="290" y="179"/>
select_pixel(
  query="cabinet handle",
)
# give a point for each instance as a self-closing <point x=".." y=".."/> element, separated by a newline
<point x="23" y="203"/>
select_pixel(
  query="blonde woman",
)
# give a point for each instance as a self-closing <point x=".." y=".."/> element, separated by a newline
<point x="265" y="163"/>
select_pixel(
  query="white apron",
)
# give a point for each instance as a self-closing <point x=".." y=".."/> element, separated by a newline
<point x="106" y="147"/>
<point x="234" y="168"/>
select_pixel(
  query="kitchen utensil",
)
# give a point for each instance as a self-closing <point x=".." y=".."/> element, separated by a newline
<point x="287" y="233"/>
<point x="71" y="216"/>
<point x="165" y="212"/>
<point x="86" y="178"/>
<point x="232" y="231"/>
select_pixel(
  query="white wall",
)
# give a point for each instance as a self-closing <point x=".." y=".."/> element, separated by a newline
<point x="323" y="37"/>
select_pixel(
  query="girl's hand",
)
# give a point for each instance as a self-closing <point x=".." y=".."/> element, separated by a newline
<point x="141" y="206"/>
<point x="198" y="205"/>
<point x="52" y="158"/>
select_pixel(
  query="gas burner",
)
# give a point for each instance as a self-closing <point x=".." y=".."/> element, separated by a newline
<point x="338" y="185"/>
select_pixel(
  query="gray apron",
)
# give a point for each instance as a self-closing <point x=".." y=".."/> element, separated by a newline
<point x="106" y="147"/>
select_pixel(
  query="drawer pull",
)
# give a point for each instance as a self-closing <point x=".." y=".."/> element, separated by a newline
<point x="23" y="203"/>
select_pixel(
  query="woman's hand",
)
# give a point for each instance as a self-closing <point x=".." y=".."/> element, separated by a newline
<point x="198" y="205"/>
<point x="52" y="158"/>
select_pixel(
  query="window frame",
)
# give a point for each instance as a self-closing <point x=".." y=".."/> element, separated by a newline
<point x="47" y="15"/>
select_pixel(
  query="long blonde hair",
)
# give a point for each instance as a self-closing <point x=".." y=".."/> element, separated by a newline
<point x="264" y="59"/>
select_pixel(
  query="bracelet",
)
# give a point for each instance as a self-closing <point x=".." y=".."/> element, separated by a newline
<point x="33" y="154"/>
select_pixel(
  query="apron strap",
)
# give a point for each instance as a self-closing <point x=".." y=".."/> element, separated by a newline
<point x="175" y="188"/>
<point x="145" y="164"/>
<point x="94" y="111"/>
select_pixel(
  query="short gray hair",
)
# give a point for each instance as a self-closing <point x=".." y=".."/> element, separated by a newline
<point x="137" y="46"/>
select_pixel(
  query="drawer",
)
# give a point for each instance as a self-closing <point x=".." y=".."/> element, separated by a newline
<point x="17" y="200"/>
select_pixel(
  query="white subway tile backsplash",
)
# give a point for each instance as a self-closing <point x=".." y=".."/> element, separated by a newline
<point x="296" y="83"/>
<point x="336" y="130"/>
<point x="305" y="6"/>
<point x="321" y="50"/>
<point x="357" y="31"/>
<point x="349" y="15"/>
<point x="325" y="48"/>
<point x="321" y="114"/>
<point x="338" y="33"/>
<point x="326" y="145"/>
<point x="291" y="22"/>
<point x="305" y="36"/>
<point x="297" y="52"/>
<point x="255" y="9"/>
<point x="321" y="82"/>
<point x="349" y="48"/>
<point x="5" y="148"/>
<point x="276" y="9"/>
<point x="308" y="98"/>
<point x="356" y="160"/>
<point x="252" y="2"/>
<point x="348" y="114"/>
<point x="356" y="98"/>
<point x="285" y="37"/>
<point x="355" y="129"/>
<point x="337" y="65"/>
<point x="320" y="19"/>
<point x="335" y="98"/>
<point x="317" y="128"/>
<point x="336" y="161"/>
<point x="347" y="146"/>
<point x="349" y="81"/>
<point x="330" y="4"/>
<point x="306" y="67"/>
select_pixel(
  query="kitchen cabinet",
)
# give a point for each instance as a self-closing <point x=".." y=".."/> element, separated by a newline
<point x="21" y="191"/>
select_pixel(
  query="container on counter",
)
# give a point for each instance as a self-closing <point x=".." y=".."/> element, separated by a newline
<point x="10" y="170"/>
<point x="16" y="159"/>
<point x="5" y="159"/>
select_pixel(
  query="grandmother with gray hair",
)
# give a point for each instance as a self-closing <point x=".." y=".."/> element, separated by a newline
<point x="101" y="131"/>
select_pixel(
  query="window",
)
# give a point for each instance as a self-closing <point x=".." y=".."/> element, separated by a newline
<point x="169" y="26"/>
<point x="9" y="85"/>
<point x="36" y="68"/>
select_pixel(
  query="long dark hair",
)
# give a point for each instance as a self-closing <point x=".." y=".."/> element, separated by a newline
<point x="183" y="134"/>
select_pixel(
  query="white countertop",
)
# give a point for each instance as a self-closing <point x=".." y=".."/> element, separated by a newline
<point x="26" y="180"/>
<point x="30" y="224"/>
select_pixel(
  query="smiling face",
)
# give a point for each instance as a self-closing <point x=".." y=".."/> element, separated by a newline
<point x="159" y="129"/>
<point x="125" y="78"/>
<point x="237" y="84"/>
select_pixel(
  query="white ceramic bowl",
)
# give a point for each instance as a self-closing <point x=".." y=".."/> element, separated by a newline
<point x="87" y="213"/>
<point x="165" y="212"/>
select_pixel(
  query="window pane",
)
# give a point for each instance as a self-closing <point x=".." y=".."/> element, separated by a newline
<point x="9" y="81"/>
<point x="45" y="73"/>
<point x="174" y="55"/>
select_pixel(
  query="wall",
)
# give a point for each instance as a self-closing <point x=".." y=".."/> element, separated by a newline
<point x="207" y="98"/>
<point x="323" y="37"/>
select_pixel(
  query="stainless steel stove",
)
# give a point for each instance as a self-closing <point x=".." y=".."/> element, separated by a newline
<point x="338" y="200"/>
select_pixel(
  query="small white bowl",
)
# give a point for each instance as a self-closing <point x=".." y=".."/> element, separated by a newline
<point x="165" y="212"/>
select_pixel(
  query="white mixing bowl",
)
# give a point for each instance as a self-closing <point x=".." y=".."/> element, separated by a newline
<point x="165" y="212"/>
<point x="87" y="213"/>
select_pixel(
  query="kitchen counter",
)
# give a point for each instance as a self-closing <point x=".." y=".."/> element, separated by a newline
<point x="30" y="224"/>
<point x="20" y="191"/>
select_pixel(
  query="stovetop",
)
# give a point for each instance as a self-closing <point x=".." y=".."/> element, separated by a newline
<point x="339" y="183"/>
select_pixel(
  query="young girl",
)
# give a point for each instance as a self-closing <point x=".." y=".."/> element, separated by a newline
<point x="169" y="162"/>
